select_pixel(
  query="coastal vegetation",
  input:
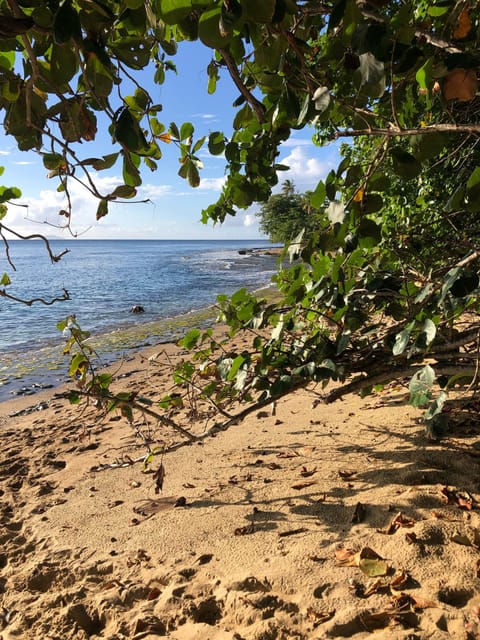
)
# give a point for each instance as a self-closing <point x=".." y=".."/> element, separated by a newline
<point x="384" y="286"/>
<point x="286" y="214"/>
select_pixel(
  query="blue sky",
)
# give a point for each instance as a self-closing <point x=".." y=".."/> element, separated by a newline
<point x="176" y="208"/>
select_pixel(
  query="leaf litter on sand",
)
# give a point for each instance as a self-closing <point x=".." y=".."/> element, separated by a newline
<point x="399" y="520"/>
<point x="367" y="560"/>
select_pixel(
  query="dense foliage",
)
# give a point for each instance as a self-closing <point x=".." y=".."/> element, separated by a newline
<point x="285" y="215"/>
<point x="381" y="291"/>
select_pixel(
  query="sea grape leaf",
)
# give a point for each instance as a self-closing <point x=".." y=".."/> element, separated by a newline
<point x="405" y="164"/>
<point x="128" y="131"/>
<point x="216" y="143"/>
<point x="124" y="191"/>
<point x="259" y="12"/>
<point x="369" y="233"/>
<point x="420" y="386"/>
<point x="174" y="11"/>
<point x="336" y="212"/>
<point x="209" y="29"/>
<point x="102" y="209"/>
<point x="401" y="339"/>
<point x="321" y="98"/>
<point x="66" y="24"/>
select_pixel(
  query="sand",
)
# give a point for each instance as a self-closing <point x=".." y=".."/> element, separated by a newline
<point x="304" y="521"/>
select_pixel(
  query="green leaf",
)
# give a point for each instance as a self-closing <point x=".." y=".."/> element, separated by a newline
<point x="369" y="233"/>
<point x="5" y="281"/>
<point x="190" y="340"/>
<point x="66" y="24"/>
<point x="102" y="209"/>
<point x="174" y="11"/>
<point x="124" y="191"/>
<point x="404" y="164"/>
<point x="216" y="143"/>
<point x="236" y="364"/>
<point x="401" y="340"/>
<point x="186" y="130"/>
<point x="317" y="198"/>
<point x="63" y="64"/>
<point x="420" y="386"/>
<point x="430" y="331"/>
<point x="209" y="29"/>
<point x="258" y="12"/>
<point x="128" y="132"/>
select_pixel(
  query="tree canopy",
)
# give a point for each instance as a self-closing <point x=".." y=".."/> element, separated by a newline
<point x="382" y="290"/>
<point x="287" y="214"/>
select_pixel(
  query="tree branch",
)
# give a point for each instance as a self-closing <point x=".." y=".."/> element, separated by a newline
<point x="257" y="106"/>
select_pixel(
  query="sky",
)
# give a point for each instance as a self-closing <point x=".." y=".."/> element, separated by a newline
<point x="175" y="208"/>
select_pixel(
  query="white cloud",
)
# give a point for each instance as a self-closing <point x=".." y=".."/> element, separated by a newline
<point x="305" y="169"/>
<point x="249" y="220"/>
<point x="297" y="142"/>
<point x="154" y="190"/>
<point x="4" y="153"/>
<point x="212" y="184"/>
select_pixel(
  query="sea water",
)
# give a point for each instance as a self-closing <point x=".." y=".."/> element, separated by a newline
<point x="105" y="278"/>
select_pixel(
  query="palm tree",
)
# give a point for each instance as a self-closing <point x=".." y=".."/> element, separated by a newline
<point x="288" y="188"/>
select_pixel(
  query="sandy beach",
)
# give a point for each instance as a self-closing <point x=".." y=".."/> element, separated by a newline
<point x="304" y="521"/>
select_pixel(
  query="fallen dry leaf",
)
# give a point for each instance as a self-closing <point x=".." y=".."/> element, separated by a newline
<point x="345" y="475"/>
<point x="374" y="587"/>
<point x="398" y="520"/>
<point x="375" y="621"/>
<point x="462" y="499"/>
<point x="399" y="580"/>
<point x="159" y="477"/>
<point x="288" y="453"/>
<point x="291" y="532"/>
<point x="318" y="617"/>
<point x="306" y="473"/>
<point x="346" y="557"/>
<point x="359" y="513"/>
<point x="302" y="485"/>
<point x="245" y="531"/>
<point x="411" y="537"/>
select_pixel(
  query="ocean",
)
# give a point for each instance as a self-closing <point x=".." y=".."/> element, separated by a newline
<point x="170" y="279"/>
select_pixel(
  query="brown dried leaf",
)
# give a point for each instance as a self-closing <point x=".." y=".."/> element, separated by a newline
<point x="375" y="621"/>
<point x="399" y="580"/>
<point x="345" y="475"/>
<point x="245" y="531"/>
<point x="306" y="473"/>
<point x="398" y="520"/>
<point x="423" y="603"/>
<point x="291" y="532"/>
<point x="273" y="466"/>
<point x="318" y="617"/>
<point x="464" y="25"/>
<point x="288" y="453"/>
<point x="461" y="538"/>
<point x="303" y="485"/>
<point x="154" y="593"/>
<point x="159" y="477"/>
<point x="411" y="537"/>
<point x="461" y="85"/>
<point x="359" y="513"/>
<point x="347" y="557"/>
<point x="374" y="587"/>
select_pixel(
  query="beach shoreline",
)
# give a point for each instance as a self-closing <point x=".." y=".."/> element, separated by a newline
<point x="242" y="539"/>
